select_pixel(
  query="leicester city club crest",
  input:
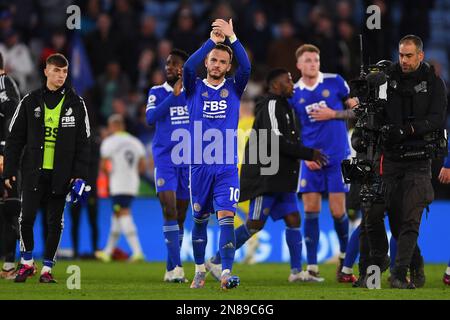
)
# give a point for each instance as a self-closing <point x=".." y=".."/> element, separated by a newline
<point x="224" y="93"/>
<point x="160" y="182"/>
<point x="197" y="207"/>
<point x="326" y="93"/>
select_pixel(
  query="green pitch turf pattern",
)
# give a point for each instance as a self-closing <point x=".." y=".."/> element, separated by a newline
<point x="121" y="280"/>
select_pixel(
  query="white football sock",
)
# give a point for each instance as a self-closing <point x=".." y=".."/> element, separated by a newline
<point x="129" y="229"/>
<point x="114" y="234"/>
<point x="200" y="268"/>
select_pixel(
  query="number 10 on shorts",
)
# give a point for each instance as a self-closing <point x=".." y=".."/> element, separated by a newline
<point x="234" y="194"/>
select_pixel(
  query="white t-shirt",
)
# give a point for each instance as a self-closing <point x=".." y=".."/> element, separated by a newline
<point x="124" y="151"/>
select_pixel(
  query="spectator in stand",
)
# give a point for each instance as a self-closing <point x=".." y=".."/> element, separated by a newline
<point x="18" y="60"/>
<point x="280" y="50"/>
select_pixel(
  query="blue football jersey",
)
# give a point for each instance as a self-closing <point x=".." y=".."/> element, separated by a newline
<point x="330" y="136"/>
<point x="214" y="110"/>
<point x="174" y="116"/>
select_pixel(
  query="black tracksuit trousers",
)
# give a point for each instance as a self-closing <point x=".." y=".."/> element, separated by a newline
<point x="53" y="204"/>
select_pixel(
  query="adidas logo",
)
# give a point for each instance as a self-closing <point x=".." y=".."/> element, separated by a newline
<point x="50" y="120"/>
<point x="205" y="94"/>
<point x="198" y="240"/>
<point x="229" y="245"/>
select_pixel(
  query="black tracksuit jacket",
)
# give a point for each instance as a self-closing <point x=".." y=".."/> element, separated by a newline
<point x="71" y="158"/>
<point x="274" y="114"/>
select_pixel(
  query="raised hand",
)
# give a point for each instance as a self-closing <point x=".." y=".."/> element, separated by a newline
<point x="225" y="27"/>
<point x="217" y="36"/>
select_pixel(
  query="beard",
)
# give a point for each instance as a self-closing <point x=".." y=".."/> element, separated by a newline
<point x="216" y="76"/>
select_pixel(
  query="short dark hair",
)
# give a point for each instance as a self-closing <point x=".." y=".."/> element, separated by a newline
<point x="180" y="53"/>
<point x="223" y="47"/>
<point x="273" y="75"/>
<point x="1" y="61"/>
<point x="414" y="39"/>
<point x="57" y="59"/>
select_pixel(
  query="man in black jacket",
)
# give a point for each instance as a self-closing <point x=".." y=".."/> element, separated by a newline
<point x="415" y="108"/>
<point x="10" y="204"/>
<point x="271" y="185"/>
<point x="51" y="128"/>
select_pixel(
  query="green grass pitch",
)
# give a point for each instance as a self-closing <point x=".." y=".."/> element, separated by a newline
<point x="121" y="280"/>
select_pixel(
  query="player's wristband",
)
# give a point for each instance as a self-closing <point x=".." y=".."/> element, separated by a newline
<point x="232" y="38"/>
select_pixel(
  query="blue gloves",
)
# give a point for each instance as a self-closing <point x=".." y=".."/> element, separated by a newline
<point x="79" y="192"/>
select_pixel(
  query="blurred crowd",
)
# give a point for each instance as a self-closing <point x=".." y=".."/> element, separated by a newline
<point x="127" y="41"/>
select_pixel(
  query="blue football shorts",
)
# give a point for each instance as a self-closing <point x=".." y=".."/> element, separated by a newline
<point x="276" y="205"/>
<point x="327" y="179"/>
<point x="213" y="188"/>
<point x="173" y="178"/>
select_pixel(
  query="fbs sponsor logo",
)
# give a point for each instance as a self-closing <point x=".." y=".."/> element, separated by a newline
<point x="68" y="121"/>
<point x="214" y="109"/>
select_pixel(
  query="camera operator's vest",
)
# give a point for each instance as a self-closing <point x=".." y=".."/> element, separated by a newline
<point x="404" y="91"/>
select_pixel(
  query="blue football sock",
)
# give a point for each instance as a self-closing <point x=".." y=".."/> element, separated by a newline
<point x="227" y="242"/>
<point x="171" y="235"/>
<point x="294" y="243"/>
<point x="392" y="251"/>
<point x="242" y="235"/>
<point x="352" y="249"/>
<point x="312" y="235"/>
<point x="199" y="239"/>
<point x="341" y="227"/>
<point x="49" y="263"/>
<point x="27" y="255"/>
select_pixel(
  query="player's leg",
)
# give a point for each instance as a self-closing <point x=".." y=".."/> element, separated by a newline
<point x="352" y="200"/>
<point x="92" y="208"/>
<point x="285" y="206"/>
<point x="182" y="195"/>
<point x="255" y="222"/>
<point x="446" y="277"/>
<point x="226" y="198"/>
<point x="30" y="205"/>
<point x="201" y="183"/>
<point x="166" y="186"/>
<point x="171" y="228"/>
<point x="312" y="207"/>
<point x="128" y="228"/>
<point x="346" y="273"/>
<point x="114" y="232"/>
<point x="55" y="223"/>
<point x="312" y="183"/>
<point x="337" y="190"/>
<point x="340" y="221"/>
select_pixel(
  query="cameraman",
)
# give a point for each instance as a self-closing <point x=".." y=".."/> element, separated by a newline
<point x="416" y="106"/>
